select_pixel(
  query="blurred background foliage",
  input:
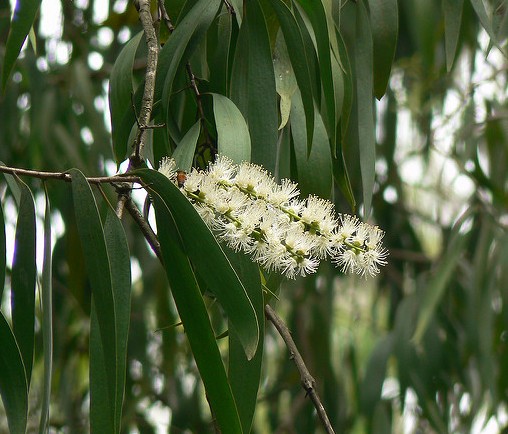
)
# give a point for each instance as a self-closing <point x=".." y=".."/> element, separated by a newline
<point x="421" y="349"/>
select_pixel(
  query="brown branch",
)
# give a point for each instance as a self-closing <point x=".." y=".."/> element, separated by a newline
<point x="145" y="16"/>
<point x="147" y="231"/>
<point x="308" y="382"/>
<point x="65" y="176"/>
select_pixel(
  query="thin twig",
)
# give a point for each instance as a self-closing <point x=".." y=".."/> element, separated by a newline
<point x="147" y="231"/>
<point x="308" y="382"/>
<point x="65" y="176"/>
<point x="145" y="16"/>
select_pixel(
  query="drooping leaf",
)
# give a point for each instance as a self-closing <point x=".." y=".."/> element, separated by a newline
<point x="233" y="139"/>
<point x="245" y="375"/>
<point x="24" y="273"/>
<point x="21" y="23"/>
<point x="120" y="95"/>
<point x="180" y="46"/>
<point x="184" y="152"/>
<point x="365" y="105"/>
<point x="314" y="170"/>
<point x="191" y="308"/>
<point x="384" y="23"/>
<point x="453" y="16"/>
<point x="119" y="256"/>
<point x="13" y="385"/>
<point x="317" y="17"/>
<point x="209" y="259"/>
<point x="47" y="319"/>
<point x="97" y="264"/>
<point x="253" y="86"/>
<point x="299" y="61"/>
<point x="2" y="252"/>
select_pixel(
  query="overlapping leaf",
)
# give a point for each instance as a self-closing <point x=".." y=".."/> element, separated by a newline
<point x="190" y="304"/>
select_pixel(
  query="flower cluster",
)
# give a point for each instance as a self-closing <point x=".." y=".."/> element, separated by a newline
<point x="250" y="211"/>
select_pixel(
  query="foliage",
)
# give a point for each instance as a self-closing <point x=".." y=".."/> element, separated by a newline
<point x="290" y="86"/>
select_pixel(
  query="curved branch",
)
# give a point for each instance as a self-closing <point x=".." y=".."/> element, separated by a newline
<point x="308" y="382"/>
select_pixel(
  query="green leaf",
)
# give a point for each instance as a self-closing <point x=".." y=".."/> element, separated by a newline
<point x="97" y="264"/>
<point x="233" y="139"/>
<point x="191" y="307"/>
<point x="13" y="385"/>
<point x="314" y="170"/>
<point x="209" y="259"/>
<point x="184" y="152"/>
<point x="384" y="24"/>
<point x="485" y="20"/>
<point x="317" y="16"/>
<point x="119" y="256"/>
<point x="2" y="253"/>
<point x="453" y="16"/>
<point x="22" y="21"/>
<point x="180" y="46"/>
<point x="365" y="105"/>
<point x="245" y="375"/>
<point x="120" y="95"/>
<point x="47" y="319"/>
<point x="24" y="274"/>
<point x="253" y="86"/>
<point x="285" y="82"/>
<point x="437" y="285"/>
<point x="102" y="413"/>
<point x="300" y="63"/>
<point x="375" y="375"/>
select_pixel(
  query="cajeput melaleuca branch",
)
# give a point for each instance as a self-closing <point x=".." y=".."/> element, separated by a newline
<point x="248" y="210"/>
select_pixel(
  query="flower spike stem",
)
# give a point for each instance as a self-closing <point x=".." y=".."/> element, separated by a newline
<point x="308" y="382"/>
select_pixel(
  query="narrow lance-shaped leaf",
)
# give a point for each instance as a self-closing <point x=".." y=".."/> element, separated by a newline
<point x="193" y="314"/>
<point x="13" y="385"/>
<point x="244" y="375"/>
<point x="47" y="319"/>
<point x="2" y="252"/>
<point x="233" y="139"/>
<point x="317" y="16"/>
<point x="297" y="55"/>
<point x="184" y="152"/>
<point x="24" y="278"/>
<point x="209" y="260"/>
<point x="120" y="95"/>
<point x="365" y="104"/>
<point x="22" y="21"/>
<point x="314" y="170"/>
<point x="118" y="252"/>
<point x="453" y="16"/>
<point x="97" y="263"/>
<point x="384" y="22"/>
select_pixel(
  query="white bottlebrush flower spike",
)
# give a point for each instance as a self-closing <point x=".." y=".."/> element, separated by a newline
<point x="249" y="211"/>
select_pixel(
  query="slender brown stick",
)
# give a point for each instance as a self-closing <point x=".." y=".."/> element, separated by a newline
<point x="64" y="176"/>
<point x="145" y="16"/>
<point x="308" y="382"/>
